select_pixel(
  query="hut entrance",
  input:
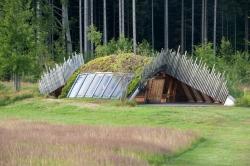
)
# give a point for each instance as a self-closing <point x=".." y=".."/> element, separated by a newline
<point x="163" y="88"/>
<point x="154" y="90"/>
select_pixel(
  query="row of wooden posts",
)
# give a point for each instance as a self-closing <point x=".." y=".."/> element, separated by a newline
<point x="193" y="73"/>
<point x="55" y="78"/>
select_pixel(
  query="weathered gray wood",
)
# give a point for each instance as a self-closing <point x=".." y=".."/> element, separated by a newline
<point x="54" y="78"/>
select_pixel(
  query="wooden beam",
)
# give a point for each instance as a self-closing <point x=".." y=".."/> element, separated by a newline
<point x="197" y="96"/>
<point x="187" y="92"/>
<point x="170" y="89"/>
<point x="206" y="98"/>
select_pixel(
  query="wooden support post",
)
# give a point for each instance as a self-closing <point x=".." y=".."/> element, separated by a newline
<point x="206" y="98"/>
<point x="174" y="92"/>
<point x="197" y="95"/>
<point x="187" y="93"/>
<point x="171" y="91"/>
<point x="170" y="86"/>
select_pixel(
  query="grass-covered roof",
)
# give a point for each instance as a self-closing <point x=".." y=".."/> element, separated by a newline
<point x="125" y="63"/>
<point x="121" y="63"/>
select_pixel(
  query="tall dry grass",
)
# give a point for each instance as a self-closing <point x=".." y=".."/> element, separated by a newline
<point x="35" y="143"/>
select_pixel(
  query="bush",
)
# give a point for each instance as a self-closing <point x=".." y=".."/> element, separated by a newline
<point x="122" y="45"/>
<point x="226" y="50"/>
<point x="5" y="100"/>
<point x="94" y="36"/>
<point x="2" y="87"/>
<point x="145" y="49"/>
<point x="244" y="100"/>
<point x="205" y="52"/>
<point x="236" y="64"/>
<point x="108" y="49"/>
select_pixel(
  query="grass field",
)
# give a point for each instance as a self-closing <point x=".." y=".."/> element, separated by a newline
<point x="223" y="133"/>
<point x="36" y="143"/>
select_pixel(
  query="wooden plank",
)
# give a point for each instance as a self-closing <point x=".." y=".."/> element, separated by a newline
<point x="171" y="90"/>
<point x="155" y="90"/>
<point x="206" y="98"/>
<point x="187" y="92"/>
<point x="197" y="96"/>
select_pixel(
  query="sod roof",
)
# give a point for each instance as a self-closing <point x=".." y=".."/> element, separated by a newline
<point x="125" y="63"/>
<point x="121" y="63"/>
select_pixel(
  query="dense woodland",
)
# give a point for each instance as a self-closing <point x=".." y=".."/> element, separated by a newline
<point x="35" y="34"/>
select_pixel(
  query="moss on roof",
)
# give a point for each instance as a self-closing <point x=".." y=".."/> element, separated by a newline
<point x="125" y="63"/>
<point x="122" y="63"/>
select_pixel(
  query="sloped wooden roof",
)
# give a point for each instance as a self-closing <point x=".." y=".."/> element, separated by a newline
<point x="192" y="72"/>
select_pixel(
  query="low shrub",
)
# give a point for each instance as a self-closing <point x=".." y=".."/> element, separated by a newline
<point x="236" y="64"/>
<point x="5" y="100"/>
<point x="244" y="100"/>
<point x="2" y="87"/>
<point x="145" y="49"/>
<point x="8" y="95"/>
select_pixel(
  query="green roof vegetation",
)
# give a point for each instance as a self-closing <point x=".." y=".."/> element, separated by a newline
<point x="124" y="62"/>
<point x="121" y="63"/>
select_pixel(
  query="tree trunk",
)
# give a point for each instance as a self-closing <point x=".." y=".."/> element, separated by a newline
<point x="121" y="18"/>
<point x="80" y="26"/>
<point x="128" y="20"/>
<point x="16" y="82"/>
<point x="66" y="29"/>
<point x="235" y="33"/>
<point x="52" y="29"/>
<point x="192" y="42"/>
<point x="182" y="26"/>
<point x="152" y="25"/>
<point x="104" y="23"/>
<point x="215" y="25"/>
<point x="206" y="23"/>
<point x="222" y="24"/>
<point x="92" y="22"/>
<point x="38" y="37"/>
<point x="227" y="29"/>
<point x="123" y="22"/>
<point x="114" y="19"/>
<point x="166" y="26"/>
<point x="202" y="21"/>
<point x="86" y="24"/>
<point x="246" y="31"/>
<point x="134" y="26"/>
